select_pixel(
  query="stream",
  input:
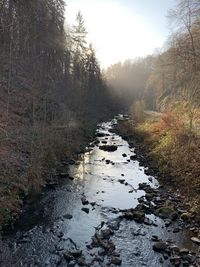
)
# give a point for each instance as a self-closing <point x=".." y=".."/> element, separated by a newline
<point x="66" y="217"/>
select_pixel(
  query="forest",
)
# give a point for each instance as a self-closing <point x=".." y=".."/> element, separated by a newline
<point x="51" y="88"/>
<point x="98" y="167"/>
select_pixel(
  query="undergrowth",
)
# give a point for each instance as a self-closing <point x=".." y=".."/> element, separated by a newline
<point x="174" y="150"/>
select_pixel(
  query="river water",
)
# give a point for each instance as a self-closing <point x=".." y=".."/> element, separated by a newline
<point x="56" y="221"/>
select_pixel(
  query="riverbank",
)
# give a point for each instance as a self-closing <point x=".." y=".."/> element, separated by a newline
<point x="27" y="171"/>
<point x="172" y="156"/>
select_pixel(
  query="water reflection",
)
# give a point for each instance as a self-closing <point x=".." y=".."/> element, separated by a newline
<point x="97" y="178"/>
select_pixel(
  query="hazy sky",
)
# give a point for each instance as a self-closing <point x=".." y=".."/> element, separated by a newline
<point x="122" y="29"/>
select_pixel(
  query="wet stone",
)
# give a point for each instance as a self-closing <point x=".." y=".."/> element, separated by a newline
<point x="167" y="212"/>
<point x="68" y="216"/>
<point x="101" y="252"/>
<point x="133" y="157"/>
<point x="68" y="256"/>
<point x="121" y="181"/>
<point x="147" y="221"/>
<point x="174" y="249"/>
<point x="168" y="222"/>
<point x="176" y="230"/>
<point x="159" y="246"/>
<point x="195" y="240"/>
<point x="176" y="260"/>
<point x="154" y="238"/>
<point x="106" y="233"/>
<point x="86" y="210"/>
<point x="76" y="253"/>
<point x="60" y="234"/>
<point x="114" y="225"/>
<point x="116" y="261"/>
<point x="184" y="251"/>
<point x="84" y="201"/>
<point x="150" y="179"/>
<point x="108" y="148"/>
<point x="137" y="216"/>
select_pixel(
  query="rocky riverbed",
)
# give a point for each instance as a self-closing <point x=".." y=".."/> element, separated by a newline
<point x="107" y="210"/>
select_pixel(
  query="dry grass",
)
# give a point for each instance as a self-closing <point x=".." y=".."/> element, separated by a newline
<point x="174" y="149"/>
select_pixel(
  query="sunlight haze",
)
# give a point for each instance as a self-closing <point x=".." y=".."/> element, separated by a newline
<point x="122" y="29"/>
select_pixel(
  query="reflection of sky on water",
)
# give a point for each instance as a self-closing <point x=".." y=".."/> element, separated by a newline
<point x="93" y="169"/>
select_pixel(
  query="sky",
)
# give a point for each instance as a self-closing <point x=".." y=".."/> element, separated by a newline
<point x="123" y="29"/>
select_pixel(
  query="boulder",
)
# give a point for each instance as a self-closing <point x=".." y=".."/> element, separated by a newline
<point x="167" y="212"/>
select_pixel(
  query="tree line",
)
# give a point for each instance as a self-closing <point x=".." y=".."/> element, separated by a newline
<point x="169" y="77"/>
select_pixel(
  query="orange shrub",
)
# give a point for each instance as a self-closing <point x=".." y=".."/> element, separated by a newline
<point x="170" y="121"/>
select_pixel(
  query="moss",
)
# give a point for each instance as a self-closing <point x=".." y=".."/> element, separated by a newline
<point x="185" y="216"/>
<point x="167" y="212"/>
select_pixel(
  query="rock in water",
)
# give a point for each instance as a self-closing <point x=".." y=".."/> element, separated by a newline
<point x="111" y="148"/>
<point x="84" y="201"/>
<point x="195" y="240"/>
<point x="68" y="216"/>
<point x="121" y="181"/>
<point x="116" y="261"/>
<point x="86" y="210"/>
<point x="159" y="246"/>
<point x="133" y="157"/>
